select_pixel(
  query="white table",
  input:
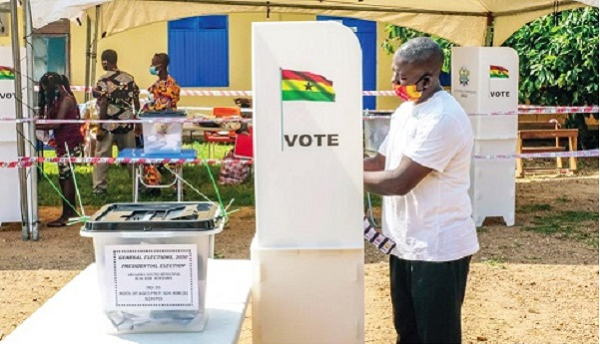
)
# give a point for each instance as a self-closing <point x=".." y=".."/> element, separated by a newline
<point x="73" y="315"/>
<point x="138" y="169"/>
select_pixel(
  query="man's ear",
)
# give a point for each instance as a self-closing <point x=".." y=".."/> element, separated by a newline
<point x="426" y="81"/>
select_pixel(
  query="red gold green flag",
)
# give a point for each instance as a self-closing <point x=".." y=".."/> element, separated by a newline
<point x="7" y="73"/>
<point x="297" y="85"/>
<point x="498" y="72"/>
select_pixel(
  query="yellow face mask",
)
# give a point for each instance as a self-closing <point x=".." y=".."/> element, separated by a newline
<point x="409" y="93"/>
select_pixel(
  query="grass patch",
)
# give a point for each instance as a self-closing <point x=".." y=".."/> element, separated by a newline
<point x="531" y="208"/>
<point x="120" y="185"/>
<point x="567" y="224"/>
<point x="497" y="262"/>
<point x="563" y="200"/>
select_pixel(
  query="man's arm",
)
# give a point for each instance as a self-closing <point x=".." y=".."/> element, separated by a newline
<point x="376" y="163"/>
<point x="136" y="98"/>
<point x="397" y="182"/>
<point x="103" y="112"/>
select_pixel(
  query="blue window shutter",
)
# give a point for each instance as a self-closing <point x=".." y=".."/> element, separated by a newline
<point x="199" y="51"/>
<point x="366" y="32"/>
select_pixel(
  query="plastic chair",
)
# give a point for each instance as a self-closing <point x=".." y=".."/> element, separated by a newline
<point x="243" y="148"/>
<point x="221" y="136"/>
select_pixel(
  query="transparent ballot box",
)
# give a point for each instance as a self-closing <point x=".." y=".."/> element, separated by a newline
<point x="152" y="263"/>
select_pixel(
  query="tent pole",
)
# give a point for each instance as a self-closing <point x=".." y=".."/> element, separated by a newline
<point x="489" y="34"/>
<point x="88" y="39"/>
<point x="16" y="52"/>
<point x="32" y="177"/>
<point x="95" y="46"/>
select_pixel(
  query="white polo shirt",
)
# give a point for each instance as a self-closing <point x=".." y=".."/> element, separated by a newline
<point x="433" y="221"/>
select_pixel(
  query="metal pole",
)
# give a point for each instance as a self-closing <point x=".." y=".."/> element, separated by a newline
<point x="32" y="178"/>
<point x="88" y="39"/>
<point x="489" y="30"/>
<point x="95" y="45"/>
<point x="14" y="35"/>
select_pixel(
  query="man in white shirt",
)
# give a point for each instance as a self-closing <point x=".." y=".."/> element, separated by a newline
<point x="422" y="170"/>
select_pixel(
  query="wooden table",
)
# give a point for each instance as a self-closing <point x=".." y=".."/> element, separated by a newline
<point x="540" y="134"/>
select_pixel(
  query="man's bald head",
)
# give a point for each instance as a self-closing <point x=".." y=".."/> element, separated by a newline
<point x="422" y="51"/>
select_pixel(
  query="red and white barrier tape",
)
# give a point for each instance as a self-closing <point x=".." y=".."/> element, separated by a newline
<point x="158" y="120"/>
<point x="536" y="109"/>
<point x="531" y="109"/>
<point x="575" y="154"/>
<point x="29" y="161"/>
<point x="247" y="120"/>
<point x="522" y="111"/>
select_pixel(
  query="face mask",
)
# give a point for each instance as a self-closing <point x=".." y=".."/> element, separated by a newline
<point x="409" y="93"/>
<point x="153" y="70"/>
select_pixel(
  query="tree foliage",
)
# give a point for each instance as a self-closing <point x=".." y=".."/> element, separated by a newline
<point x="398" y="34"/>
<point x="558" y="56"/>
<point x="558" y="60"/>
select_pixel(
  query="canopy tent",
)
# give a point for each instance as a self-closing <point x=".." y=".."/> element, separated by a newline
<point x="465" y="22"/>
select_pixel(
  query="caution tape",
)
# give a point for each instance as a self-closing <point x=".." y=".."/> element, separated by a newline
<point x="535" y="109"/>
<point x="156" y="120"/>
<point x="523" y="110"/>
<point x="530" y="109"/>
<point x="31" y="161"/>
<point x="496" y="113"/>
<point x="574" y="154"/>
<point x="184" y="92"/>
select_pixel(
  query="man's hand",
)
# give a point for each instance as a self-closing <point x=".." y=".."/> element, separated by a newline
<point x="100" y="134"/>
<point x="138" y="129"/>
<point x="396" y="182"/>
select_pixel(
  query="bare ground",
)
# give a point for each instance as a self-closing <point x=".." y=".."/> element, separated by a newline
<point x="525" y="286"/>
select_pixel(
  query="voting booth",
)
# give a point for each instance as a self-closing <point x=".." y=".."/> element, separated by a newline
<point x="10" y="208"/>
<point x="307" y="255"/>
<point x="485" y="82"/>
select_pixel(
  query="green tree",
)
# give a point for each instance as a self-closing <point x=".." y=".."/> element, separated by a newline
<point x="558" y="58"/>
<point x="558" y="62"/>
<point x="398" y="34"/>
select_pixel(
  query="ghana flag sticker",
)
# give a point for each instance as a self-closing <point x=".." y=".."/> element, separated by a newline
<point x="306" y="86"/>
<point x="7" y="73"/>
<point x="498" y="72"/>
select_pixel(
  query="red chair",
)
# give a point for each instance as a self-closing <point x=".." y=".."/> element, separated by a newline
<point x="221" y="136"/>
<point x="243" y="148"/>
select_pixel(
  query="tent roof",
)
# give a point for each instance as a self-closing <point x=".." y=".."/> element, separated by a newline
<point x="464" y="22"/>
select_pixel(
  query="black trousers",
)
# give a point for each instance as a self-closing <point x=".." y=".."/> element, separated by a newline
<point x="427" y="298"/>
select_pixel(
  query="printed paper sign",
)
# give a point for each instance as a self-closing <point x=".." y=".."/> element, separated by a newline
<point x="157" y="277"/>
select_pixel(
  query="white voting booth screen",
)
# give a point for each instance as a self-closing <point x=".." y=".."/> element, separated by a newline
<point x="10" y="207"/>
<point x="307" y="255"/>
<point x="308" y="154"/>
<point x="485" y="80"/>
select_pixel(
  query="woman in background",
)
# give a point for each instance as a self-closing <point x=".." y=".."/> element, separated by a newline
<point x="56" y="101"/>
<point x="164" y="95"/>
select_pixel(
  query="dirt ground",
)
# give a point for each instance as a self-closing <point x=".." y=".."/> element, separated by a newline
<point x="525" y="286"/>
